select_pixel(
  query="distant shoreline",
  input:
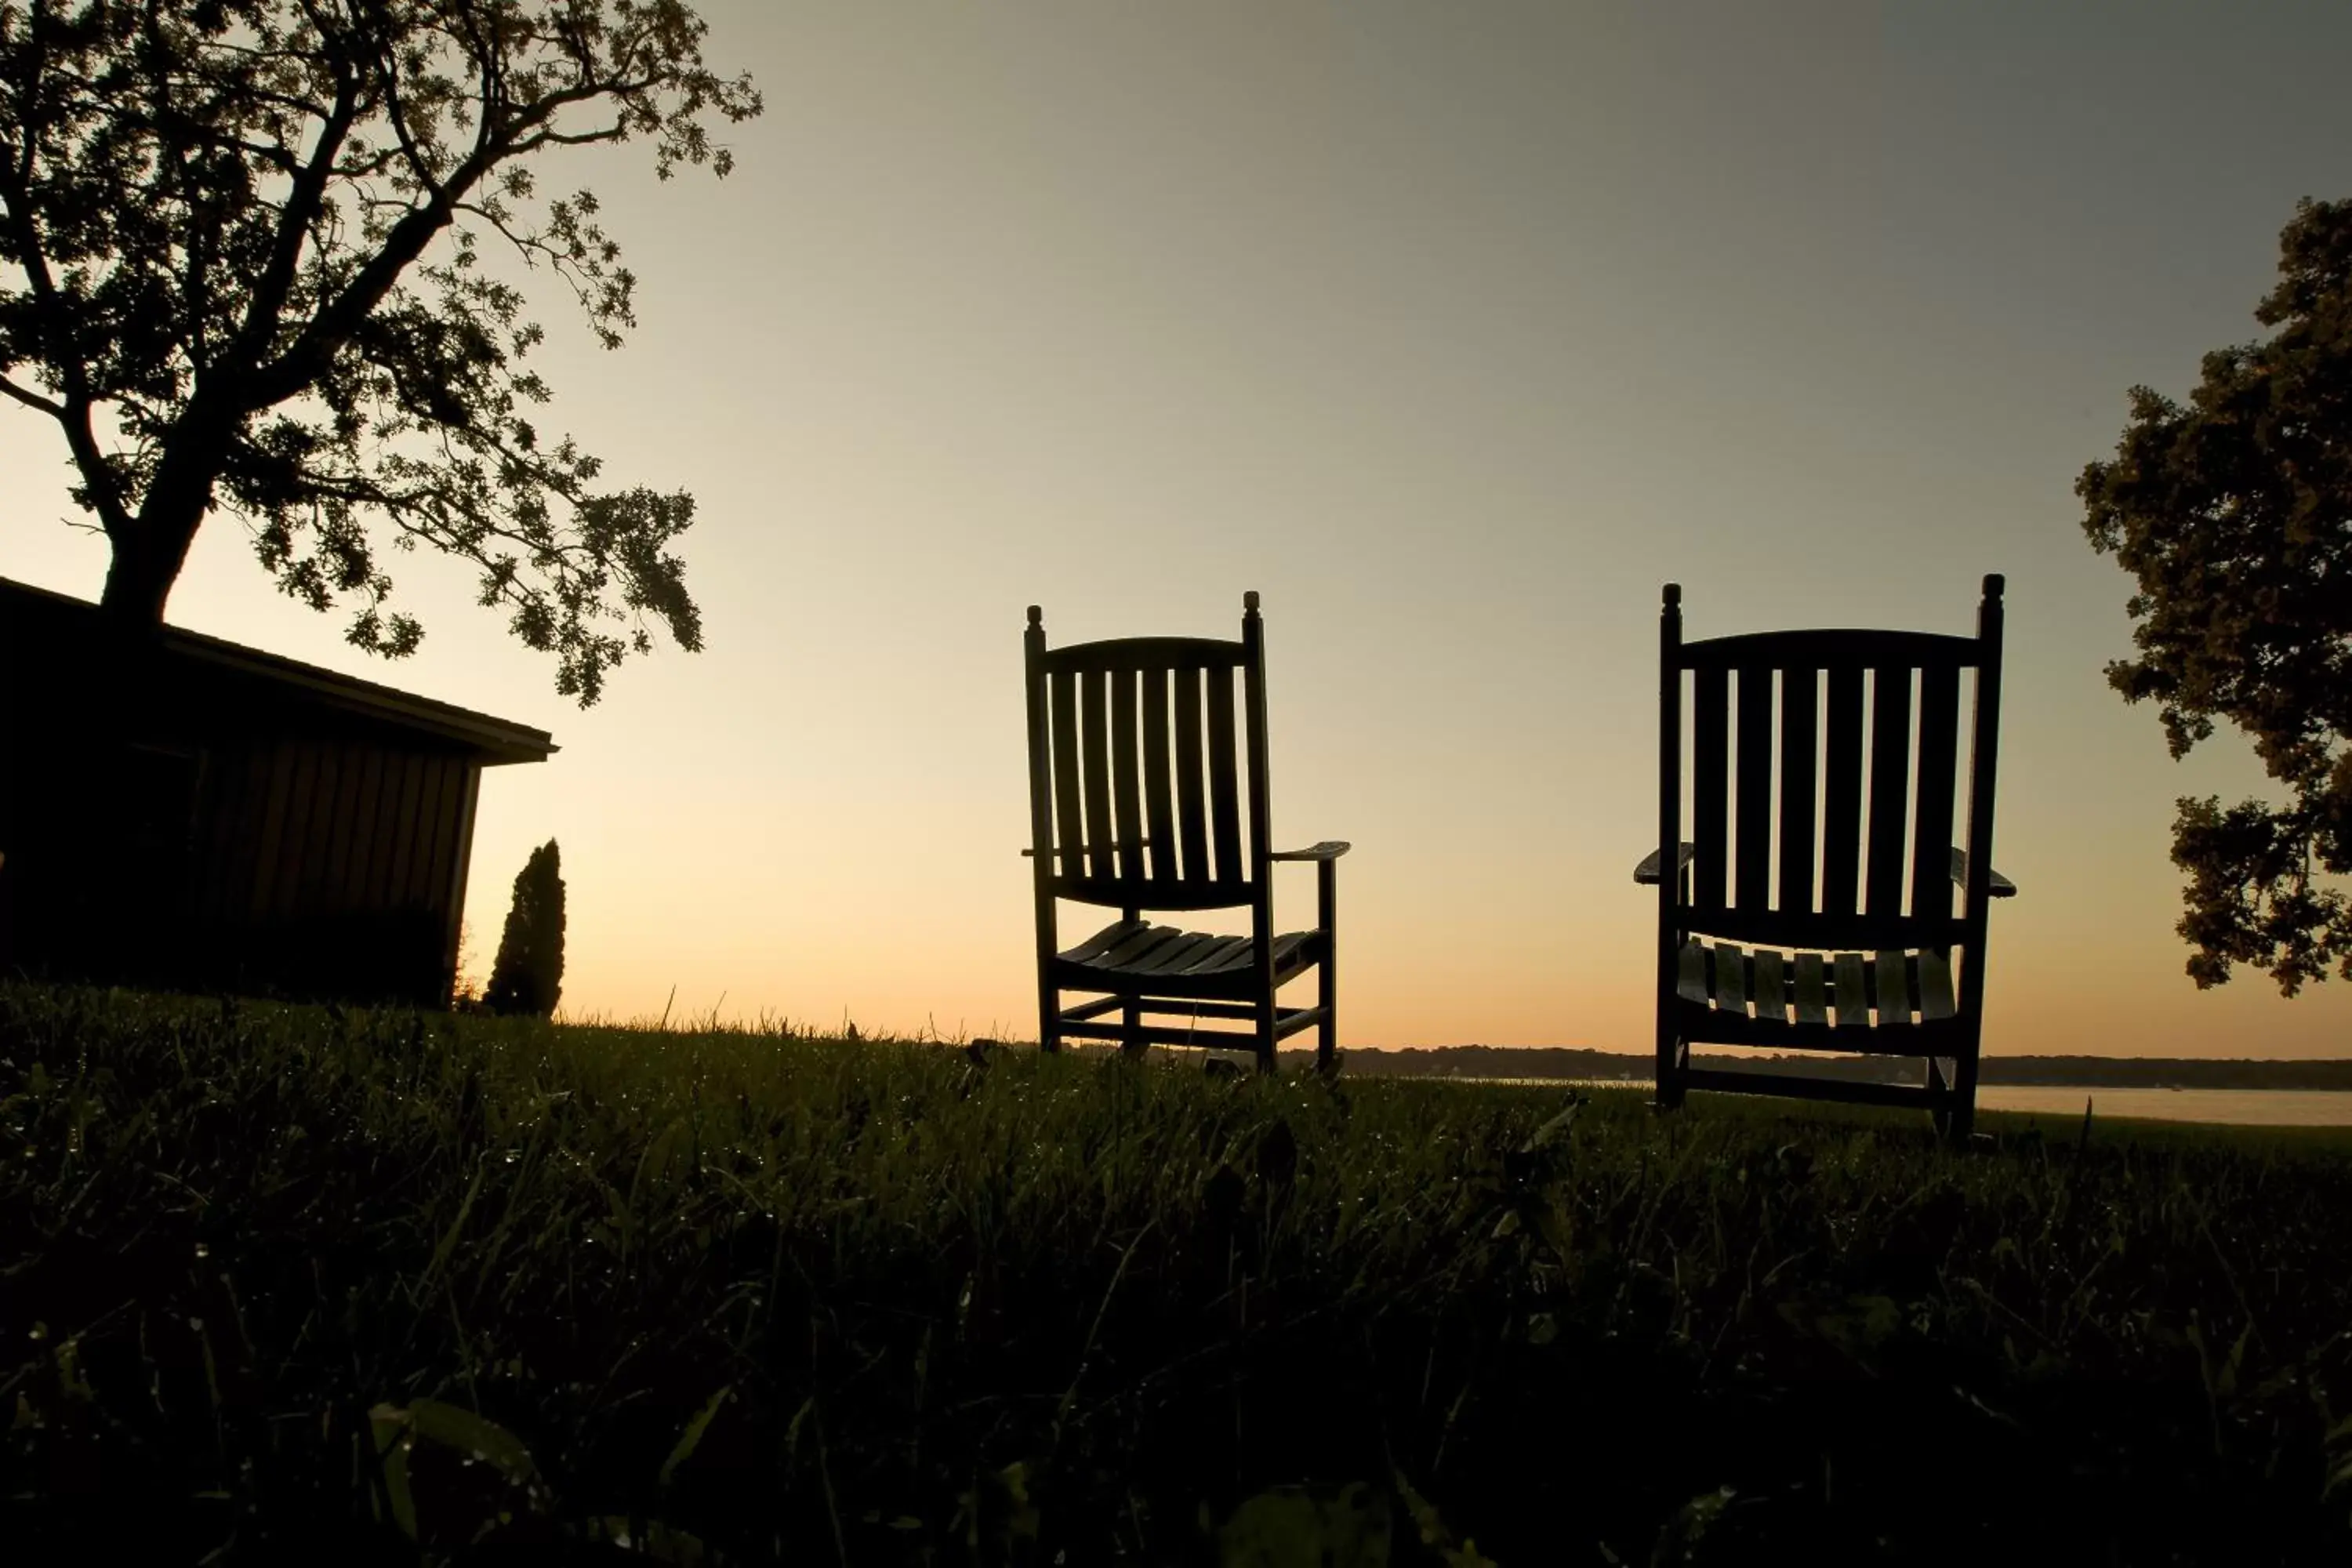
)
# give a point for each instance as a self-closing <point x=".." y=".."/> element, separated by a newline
<point x="2092" y="1072"/>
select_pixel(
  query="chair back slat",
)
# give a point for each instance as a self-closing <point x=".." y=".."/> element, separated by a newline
<point x="1890" y="789"/>
<point x="1102" y="837"/>
<point x="1225" y="782"/>
<point x="1188" y="776"/>
<point x="1752" y="875"/>
<point x="1841" y="793"/>
<point x="1139" y="783"/>
<point x="1710" y="720"/>
<point x="1931" y="838"/>
<point x="1068" y="812"/>
<point x="1126" y="789"/>
<point x="1158" y="782"/>
<point x="1800" y="699"/>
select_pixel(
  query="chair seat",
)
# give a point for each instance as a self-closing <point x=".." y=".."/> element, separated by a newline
<point x="1888" y="1002"/>
<point x="1138" y="958"/>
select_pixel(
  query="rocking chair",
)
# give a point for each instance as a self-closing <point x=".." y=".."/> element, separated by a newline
<point x="1135" y="785"/>
<point x="1865" y="953"/>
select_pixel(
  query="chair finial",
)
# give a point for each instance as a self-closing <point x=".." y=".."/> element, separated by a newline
<point x="1036" y="617"/>
<point x="1674" y="593"/>
<point x="1249" y="602"/>
<point x="1993" y="584"/>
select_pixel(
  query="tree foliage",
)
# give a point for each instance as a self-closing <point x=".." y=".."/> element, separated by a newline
<point x="242" y="265"/>
<point x="2234" y="514"/>
<point x="527" y="974"/>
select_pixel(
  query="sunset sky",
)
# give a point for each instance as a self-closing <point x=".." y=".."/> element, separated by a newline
<point x="1455" y="330"/>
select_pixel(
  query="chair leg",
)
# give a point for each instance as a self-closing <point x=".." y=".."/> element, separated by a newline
<point x="1326" y="1030"/>
<point x="1962" y="1123"/>
<point x="1326" y="973"/>
<point x="1669" y="1095"/>
<point x="1049" y="1009"/>
<point x="1964" y="1079"/>
<point x="1131" y="1019"/>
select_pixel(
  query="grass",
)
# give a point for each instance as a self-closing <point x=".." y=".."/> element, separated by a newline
<point x="284" y="1284"/>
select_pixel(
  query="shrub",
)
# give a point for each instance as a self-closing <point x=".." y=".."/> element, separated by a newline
<point x="527" y="974"/>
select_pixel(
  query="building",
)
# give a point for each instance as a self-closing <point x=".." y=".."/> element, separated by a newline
<point x="187" y="814"/>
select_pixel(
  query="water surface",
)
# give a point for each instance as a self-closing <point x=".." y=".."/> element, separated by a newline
<point x="2238" y="1107"/>
<point x="2242" y="1107"/>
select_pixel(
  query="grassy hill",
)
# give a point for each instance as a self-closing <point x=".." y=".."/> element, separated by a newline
<point x="286" y="1284"/>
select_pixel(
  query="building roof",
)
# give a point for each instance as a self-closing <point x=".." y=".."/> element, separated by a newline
<point x="492" y="741"/>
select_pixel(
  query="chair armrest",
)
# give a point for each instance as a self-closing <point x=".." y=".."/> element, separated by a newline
<point x="1996" y="885"/>
<point x="1646" y="872"/>
<point x="1329" y="849"/>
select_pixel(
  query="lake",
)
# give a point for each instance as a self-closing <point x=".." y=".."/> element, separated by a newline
<point x="2243" y="1106"/>
<point x="2240" y="1107"/>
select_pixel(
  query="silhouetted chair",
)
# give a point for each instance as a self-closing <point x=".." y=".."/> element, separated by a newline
<point x="1823" y="918"/>
<point x="1136" y="799"/>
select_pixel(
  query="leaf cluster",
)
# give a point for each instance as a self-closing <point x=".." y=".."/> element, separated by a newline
<point x="2233" y="514"/>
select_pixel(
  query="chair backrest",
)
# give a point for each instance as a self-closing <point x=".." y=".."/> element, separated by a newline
<point x="1136" y="760"/>
<point x="1796" y="843"/>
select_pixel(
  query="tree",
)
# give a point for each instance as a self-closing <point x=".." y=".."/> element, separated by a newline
<point x="2234" y="514"/>
<point x="241" y="266"/>
<point x="527" y="974"/>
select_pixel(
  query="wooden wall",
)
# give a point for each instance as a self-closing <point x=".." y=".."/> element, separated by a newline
<point x="317" y="868"/>
<point x="342" y="860"/>
<point x="305" y="827"/>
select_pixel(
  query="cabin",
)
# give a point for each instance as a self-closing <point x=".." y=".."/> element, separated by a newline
<point x="182" y="812"/>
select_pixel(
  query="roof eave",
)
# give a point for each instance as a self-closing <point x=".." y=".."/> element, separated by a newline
<point x="497" y="740"/>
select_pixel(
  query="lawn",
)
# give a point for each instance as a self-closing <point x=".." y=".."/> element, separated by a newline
<point x="293" y="1284"/>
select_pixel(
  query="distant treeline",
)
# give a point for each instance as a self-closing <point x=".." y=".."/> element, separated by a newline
<point x="2097" y="1072"/>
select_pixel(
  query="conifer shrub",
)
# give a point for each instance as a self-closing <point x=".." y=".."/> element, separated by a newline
<point x="528" y="976"/>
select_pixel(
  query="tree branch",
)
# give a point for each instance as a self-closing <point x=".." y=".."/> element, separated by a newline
<point x="302" y="203"/>
<point x="341" y="317"/>
<point x="175" y="151"/>
<point x="31" y="399"/>
<point x="74" y="416"/>
<point x="396" y="114"/>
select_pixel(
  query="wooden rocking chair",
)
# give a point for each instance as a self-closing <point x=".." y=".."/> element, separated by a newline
<point x="1863" y="953"/>
<point x="1133" y="758"/>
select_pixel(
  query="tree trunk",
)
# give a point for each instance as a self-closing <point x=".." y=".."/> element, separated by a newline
<point x="147" y="561"/>
<point x="119" y="679"/>
<point x="151" y="549"/>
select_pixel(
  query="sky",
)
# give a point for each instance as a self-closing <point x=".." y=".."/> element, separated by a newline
<point x="1455" y="332"/>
